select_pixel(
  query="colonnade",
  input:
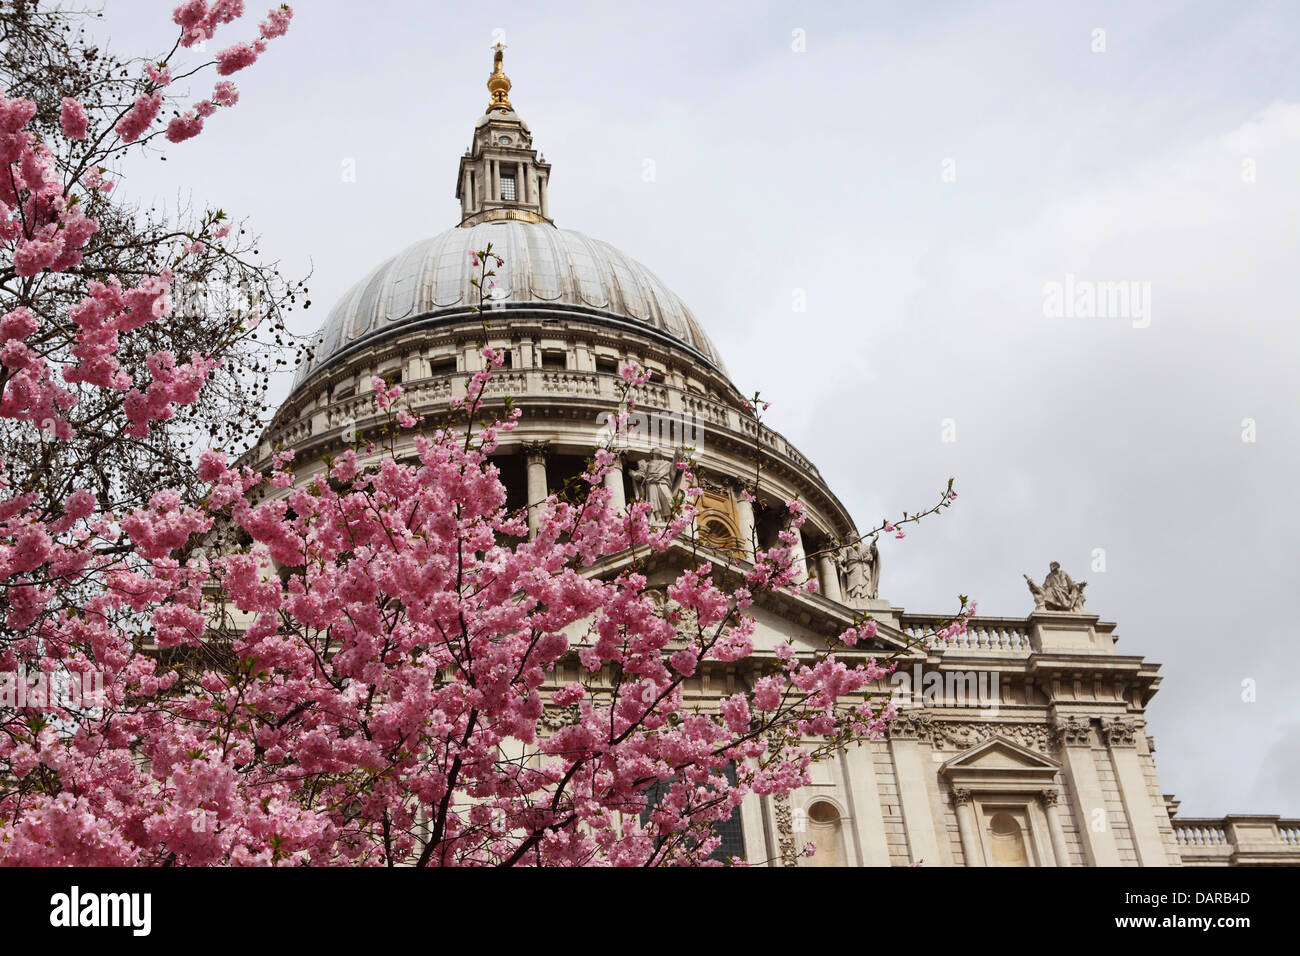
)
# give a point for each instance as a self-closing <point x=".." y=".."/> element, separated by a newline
<point x="823" y="565"/>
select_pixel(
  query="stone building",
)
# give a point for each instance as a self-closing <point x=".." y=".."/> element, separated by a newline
<point x="1022" y="742"/>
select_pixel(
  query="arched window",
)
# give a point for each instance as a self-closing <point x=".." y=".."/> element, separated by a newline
<point x="826" y="829"/>
<point x="1007" y="840"/>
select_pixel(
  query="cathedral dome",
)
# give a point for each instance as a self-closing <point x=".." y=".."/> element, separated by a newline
<point x="546" y="269"/>
<point x="565" y="312"/>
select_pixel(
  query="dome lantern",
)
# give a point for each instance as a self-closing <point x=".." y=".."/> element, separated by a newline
<point x="501" y="176"/>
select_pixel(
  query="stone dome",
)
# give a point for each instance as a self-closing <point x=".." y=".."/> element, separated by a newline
<point x="546" y="269"/>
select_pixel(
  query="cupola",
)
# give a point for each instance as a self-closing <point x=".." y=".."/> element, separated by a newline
<point x="501" y="176"/>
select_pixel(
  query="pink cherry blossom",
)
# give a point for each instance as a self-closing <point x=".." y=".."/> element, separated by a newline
<point x="140" y="117"/>
<point x="224" y="93"/>
<point x="72" y="118"/>
<point x="184" y="127"/>
<point x="276" y="22"/>
<point x="237" y="57"/>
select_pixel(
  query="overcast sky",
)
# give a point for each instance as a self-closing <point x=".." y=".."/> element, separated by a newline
<point x="921" y="171"/>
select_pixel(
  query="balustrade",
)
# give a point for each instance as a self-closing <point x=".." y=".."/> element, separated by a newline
<point x="356" y="409"/>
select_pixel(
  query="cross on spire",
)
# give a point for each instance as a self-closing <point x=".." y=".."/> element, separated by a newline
<point x="498" y="83"/>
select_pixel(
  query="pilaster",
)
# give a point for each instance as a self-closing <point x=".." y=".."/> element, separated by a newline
<point x="863" y="796"/>
<point x="913" y="790"/>
<point x="1074" y="735"/>
<point x="1119" y="735"/>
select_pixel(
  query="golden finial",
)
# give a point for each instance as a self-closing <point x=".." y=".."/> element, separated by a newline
<point x="498" y="83"/>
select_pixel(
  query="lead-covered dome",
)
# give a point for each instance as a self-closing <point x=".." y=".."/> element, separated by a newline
<point x="546" y="268"/>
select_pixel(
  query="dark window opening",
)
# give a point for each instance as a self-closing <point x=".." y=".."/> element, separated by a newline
<point x="555" y="360"/>
<point x="730" y="830"/>
<point x="769" y="524"/>
<point x="443" y="367"/>
<point x="607" y="366"/>
<point x="515" y="479"/>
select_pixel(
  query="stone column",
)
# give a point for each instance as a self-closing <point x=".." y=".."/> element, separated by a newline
<point x="967" y="828"/>
<point x="1053" y="813"/>
<point x="614" y="482"/>
<point x="545" y="208"/>
<point x="745" y="522"/>
<point x="521" y="183"/>
<point x="496" y="179"/>
<point x="535" y="457"/>
<point x="829" y="577"/>
<point x="798" y="558"/>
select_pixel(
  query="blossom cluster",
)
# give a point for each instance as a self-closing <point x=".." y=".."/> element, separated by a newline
<point x="380" y="686"/>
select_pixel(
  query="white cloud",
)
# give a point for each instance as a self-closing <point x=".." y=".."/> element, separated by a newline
<point x="1088" y="432"/>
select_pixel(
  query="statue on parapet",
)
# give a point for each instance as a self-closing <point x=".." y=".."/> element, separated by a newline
<point x="1058" y="591"/>
<point x="861" y="565"/>
<point x="655" y="480"/>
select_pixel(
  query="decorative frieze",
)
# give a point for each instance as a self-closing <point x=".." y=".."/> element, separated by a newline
<point x="960" y="734"/>
<point x="557" y="718"/>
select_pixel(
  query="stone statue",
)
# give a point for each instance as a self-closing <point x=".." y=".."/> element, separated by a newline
<point x="1058" y="591"/>
<point x="1037" y="592"/>
<point x="861" y="565"/>
<point x="653" y="478"/>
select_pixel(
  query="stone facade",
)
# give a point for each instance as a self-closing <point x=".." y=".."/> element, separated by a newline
<point x="1020" y="742"/>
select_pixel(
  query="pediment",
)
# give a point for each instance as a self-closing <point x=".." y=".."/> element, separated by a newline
<point x="807" y="621"/>
<point x="998" y="756"/>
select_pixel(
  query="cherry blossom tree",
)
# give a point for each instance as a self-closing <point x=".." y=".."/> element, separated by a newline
<point x="224" y="299"/>
<point x="390" y="670"/>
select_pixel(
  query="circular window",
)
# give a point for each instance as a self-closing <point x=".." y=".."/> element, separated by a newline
<point x="504" y="141"/>
<point x="823" y="813"/>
